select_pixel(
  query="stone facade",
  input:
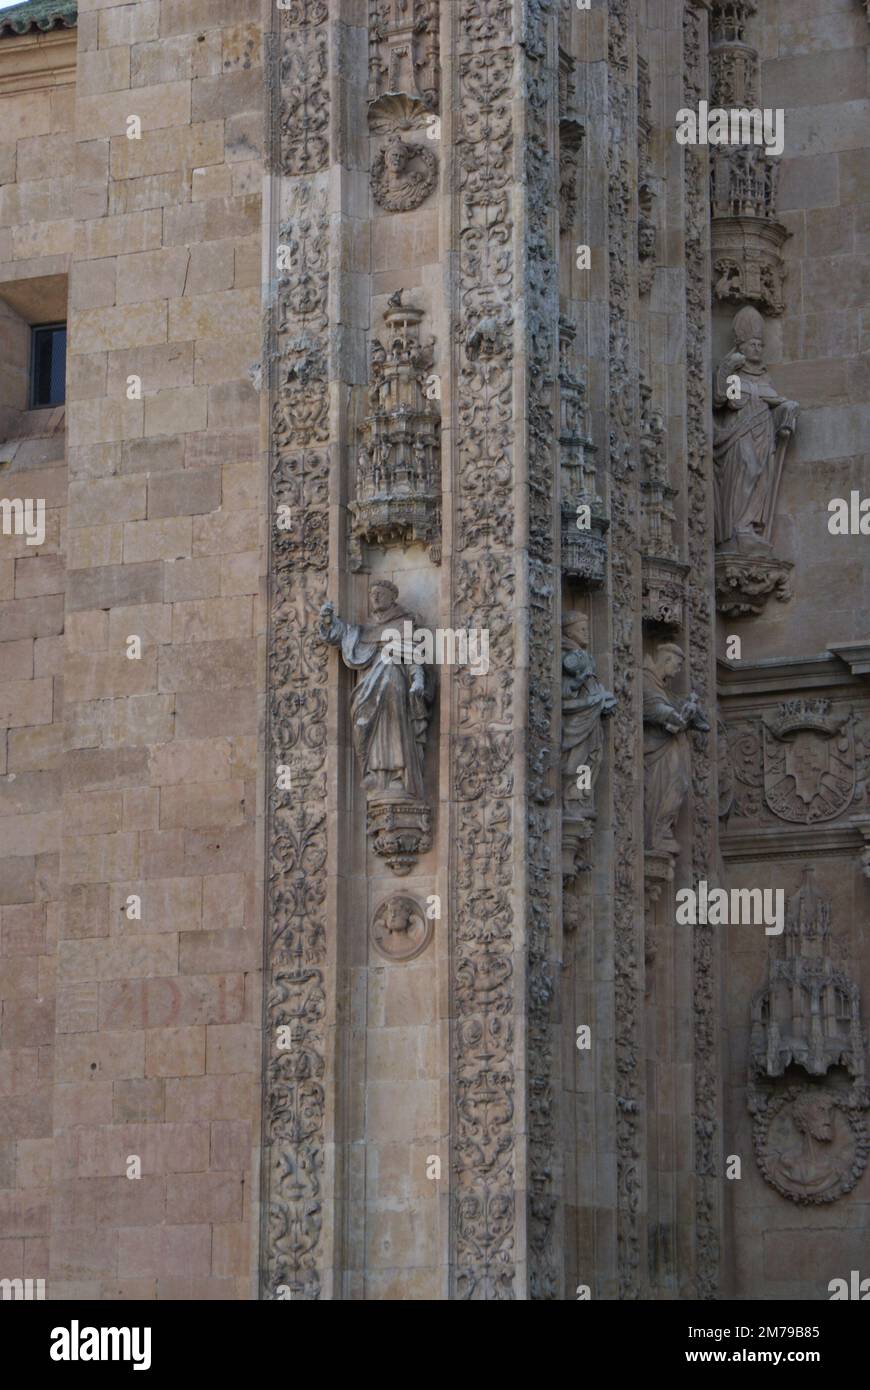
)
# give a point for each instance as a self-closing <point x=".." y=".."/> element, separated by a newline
<point x="328" y="977"/>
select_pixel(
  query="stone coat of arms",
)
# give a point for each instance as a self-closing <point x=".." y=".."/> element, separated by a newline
<point x="809" y="762"/>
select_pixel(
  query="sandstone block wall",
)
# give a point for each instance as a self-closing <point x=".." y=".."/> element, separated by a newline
<point x="143" y="784"/>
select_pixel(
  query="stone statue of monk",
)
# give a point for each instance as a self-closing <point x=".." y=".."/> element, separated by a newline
<point x="390" y="704"/>
<point x="666" y="753"/>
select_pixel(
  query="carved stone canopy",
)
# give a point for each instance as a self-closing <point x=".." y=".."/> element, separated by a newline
<point x="807" y="1089"/>
<point x="398" y="462"/>
<point x="403" y="50"/>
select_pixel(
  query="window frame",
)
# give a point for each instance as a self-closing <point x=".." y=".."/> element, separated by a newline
<point x="35" y="330"/>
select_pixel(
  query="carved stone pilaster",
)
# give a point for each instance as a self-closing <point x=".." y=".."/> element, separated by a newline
<point x="484" y="1105"/>
<point x="700" y="619"/>
<point x="296" y="1201"/>
<point x="624" y="537"/>
<point x="504" y="905"/>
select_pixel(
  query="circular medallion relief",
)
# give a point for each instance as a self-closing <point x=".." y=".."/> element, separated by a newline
<point x="400" y="929"/>
<point x="811" y="1144"/>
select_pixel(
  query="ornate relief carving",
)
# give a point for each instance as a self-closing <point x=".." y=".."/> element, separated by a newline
<point x="403" y="175"/>
<point x="541" y="346"/>
<point x="744" y="583"/>
<point x="304" y="114"/>
<point x="483" y="584"/>
<point x="664" y="574"/>
<point x="571" y="134"/>
<point x="584" y="521"/>
<point x="700" y="618"/>
<point x="746" y="261"/>
<point x="294" y="1079"/>
<point x="400" y="929"/>
<point x="807" y="1088"/>
<point x="389" y="712"/>
<point x="733" y="62"/>
<point x="398" y="475"/>
<point x="624" y="536"/>
<point x="647" y="233"/>
<point x="403" y="50"/>
<point x="585" y="705"/>
<point x="752" y="427"/>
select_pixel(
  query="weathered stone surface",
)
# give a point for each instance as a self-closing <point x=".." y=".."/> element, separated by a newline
<point x="331" y="338"/>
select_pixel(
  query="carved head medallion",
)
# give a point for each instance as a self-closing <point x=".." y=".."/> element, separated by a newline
<point x="403" y="175"/>
<point x="811" y="1144"/>
<point x="400" y="929"/>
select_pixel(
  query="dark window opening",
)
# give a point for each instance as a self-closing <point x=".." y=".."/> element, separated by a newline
<point x="48" y="366"/>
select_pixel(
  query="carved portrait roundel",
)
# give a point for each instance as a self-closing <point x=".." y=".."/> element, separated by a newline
<point x="811" y="1144"/>
<point x="403" y="175"/>
<point x="400" y="929"/>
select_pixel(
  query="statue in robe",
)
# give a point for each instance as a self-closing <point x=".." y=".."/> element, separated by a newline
<point x="751" y="429"/>
<point x="585" y="703"/>
<point x="666" y="752"/>
<point x="390" y="705"/>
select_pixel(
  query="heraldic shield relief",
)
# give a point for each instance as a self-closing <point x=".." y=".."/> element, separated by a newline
<point x="809" y="762"/>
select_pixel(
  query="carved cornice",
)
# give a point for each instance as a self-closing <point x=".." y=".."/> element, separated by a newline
<point x="781" y="674"/>
<point x="34" y="60"/>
